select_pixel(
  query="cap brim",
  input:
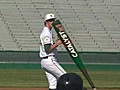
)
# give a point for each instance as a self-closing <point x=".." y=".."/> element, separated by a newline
<point x="49" y="19"/>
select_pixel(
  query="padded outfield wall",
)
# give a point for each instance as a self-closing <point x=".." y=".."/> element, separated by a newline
<point x="33" y="57"/>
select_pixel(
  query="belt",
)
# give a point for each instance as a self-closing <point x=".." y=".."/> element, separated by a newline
<point x="47" y="57"/>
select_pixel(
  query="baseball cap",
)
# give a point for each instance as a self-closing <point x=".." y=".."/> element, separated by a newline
<point x="49" y="16"/>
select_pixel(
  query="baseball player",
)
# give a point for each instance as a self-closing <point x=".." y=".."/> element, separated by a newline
<point x="48" y="53"/>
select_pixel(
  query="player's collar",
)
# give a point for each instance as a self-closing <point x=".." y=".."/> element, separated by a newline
<point x="47" y="29"/>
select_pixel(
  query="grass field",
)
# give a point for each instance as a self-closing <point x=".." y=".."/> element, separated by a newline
<point x="104" y="76"/>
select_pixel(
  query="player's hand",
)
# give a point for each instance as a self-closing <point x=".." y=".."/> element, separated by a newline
<point x="59" y="42"/>
<point x="58" y="38"/>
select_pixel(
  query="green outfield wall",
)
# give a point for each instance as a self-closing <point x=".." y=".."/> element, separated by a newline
<point x="33" y="57"/>
<point x="32" y="66"/>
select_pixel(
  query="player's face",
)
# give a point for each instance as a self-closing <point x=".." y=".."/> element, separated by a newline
<point x="50" y="23"/>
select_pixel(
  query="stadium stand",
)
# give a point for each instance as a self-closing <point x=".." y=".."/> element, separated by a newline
<point x="6" y="41"/>
<point x="93" y="25"/>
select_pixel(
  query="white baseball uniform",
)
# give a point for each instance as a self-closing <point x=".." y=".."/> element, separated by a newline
<point x="49" y="62"/>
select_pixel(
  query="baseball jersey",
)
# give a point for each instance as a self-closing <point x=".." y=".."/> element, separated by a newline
<point x="46" y="37"/>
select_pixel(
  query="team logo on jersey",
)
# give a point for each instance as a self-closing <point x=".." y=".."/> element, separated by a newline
<point x="47" y="39"/>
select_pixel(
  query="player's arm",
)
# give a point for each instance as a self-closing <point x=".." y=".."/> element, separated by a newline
<point x="49" y="47"/>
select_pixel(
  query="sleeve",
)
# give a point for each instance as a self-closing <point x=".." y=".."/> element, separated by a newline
<point x="47" y="38"/>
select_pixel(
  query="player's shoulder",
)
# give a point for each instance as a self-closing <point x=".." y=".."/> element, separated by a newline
<point x="45" y="30"/>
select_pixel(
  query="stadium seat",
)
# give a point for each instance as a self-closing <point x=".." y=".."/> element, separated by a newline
<point x="92" y="25"/>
